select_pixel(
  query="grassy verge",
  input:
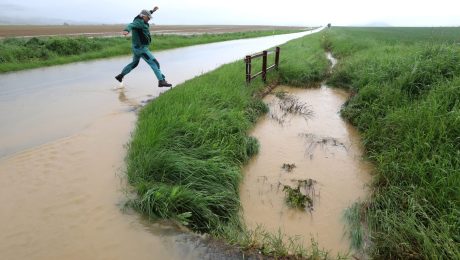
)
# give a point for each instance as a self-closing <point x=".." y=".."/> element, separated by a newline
<point x="407" y="85"/>
<point x="19" y="54"/>
<point x="185" y="157"/>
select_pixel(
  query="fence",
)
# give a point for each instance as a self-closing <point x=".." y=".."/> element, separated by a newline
<point x="264" y="55"/>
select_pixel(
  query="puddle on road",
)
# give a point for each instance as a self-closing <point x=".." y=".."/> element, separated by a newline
<point x="59" y="201"/>
<point x="55" y="199"/>
<point x="311" y="144"/>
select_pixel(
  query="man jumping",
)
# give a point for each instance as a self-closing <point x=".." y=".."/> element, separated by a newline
<point x="140" y="42"/>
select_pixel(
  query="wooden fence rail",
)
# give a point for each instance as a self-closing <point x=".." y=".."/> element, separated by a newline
<point x="264" y="55"/>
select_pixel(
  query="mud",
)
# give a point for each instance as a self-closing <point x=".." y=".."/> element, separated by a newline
<point x="329" y="171"/>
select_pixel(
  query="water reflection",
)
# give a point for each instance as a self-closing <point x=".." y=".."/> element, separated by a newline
<point x="124" y="99"/>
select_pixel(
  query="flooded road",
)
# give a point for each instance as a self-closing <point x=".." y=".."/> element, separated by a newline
<point x="305" y="143"/>
<point x="41" y="105"/>
<point x="56" y="204"/>
<point x="62" y="141"/>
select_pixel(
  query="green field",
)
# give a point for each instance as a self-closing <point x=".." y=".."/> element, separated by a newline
<point x="406" y="83"/>
<point x="19" y="54"/>
<point x="185" y="157"/>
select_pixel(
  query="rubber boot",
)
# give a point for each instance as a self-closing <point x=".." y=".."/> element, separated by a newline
<point x="119" y="77"/>
<point x="164" y="83"/>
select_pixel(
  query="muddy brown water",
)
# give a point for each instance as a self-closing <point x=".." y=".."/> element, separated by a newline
<point x="313" y="144"/>
<point x="62" y="148"/>
<point x="55" y="203"/>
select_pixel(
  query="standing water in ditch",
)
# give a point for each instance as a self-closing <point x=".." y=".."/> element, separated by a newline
<point x="306" y="147"/>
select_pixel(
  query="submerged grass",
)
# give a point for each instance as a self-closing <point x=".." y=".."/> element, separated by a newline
<point x="19" y="54"/>
<point x="295" y="198"/>
<point x="185" y="156"/>
<point x="276" y="245"/>
<point x="407" y="87"/>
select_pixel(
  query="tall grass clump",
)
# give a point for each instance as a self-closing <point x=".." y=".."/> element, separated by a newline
<point x="406" y="84"/>
<point x="18" y="54"/>
<point x="185" y="156"/>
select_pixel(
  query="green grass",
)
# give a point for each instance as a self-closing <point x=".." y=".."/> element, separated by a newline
<point x="19" y="54"/>
<point x="303" y="62"/>
<point x="356" y="227"/>
<point x="406" y="83"/>
<point x="186" y="154"/>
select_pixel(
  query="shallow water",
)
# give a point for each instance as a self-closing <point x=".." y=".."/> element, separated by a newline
<point x="319" y="147"/>
<point x="59" y="200"/>
<point x="62" y="135"/>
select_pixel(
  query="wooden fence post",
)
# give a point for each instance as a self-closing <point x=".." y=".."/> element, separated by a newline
<point x="248" y="69"/>
<point x="277" y="58"/>
<point x="264" y="66"/>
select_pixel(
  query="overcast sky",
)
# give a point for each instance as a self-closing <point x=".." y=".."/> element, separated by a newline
<point x="254" y="12"/>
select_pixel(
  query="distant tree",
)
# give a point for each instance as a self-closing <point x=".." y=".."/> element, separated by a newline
<point x="66" y="24"/>
<point x="328" y="25"/>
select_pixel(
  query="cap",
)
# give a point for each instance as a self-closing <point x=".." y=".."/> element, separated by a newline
<point x="146" y="13"/>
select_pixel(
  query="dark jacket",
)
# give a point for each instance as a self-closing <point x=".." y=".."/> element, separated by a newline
<point x="140" y="32"/>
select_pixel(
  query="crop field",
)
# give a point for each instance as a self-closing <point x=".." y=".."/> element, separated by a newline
<point x="29" y="31"/>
